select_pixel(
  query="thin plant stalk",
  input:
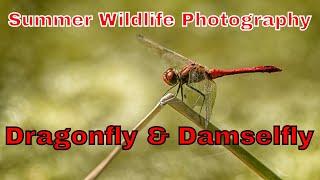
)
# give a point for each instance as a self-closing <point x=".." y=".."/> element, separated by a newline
<point x="105" y="162"/>
<point x="248" y="159"/>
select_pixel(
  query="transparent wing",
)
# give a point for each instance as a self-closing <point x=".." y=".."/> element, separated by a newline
<point x="200" y="95"/>
<point x="172" y="58"/>
<point x="210" y="93"/>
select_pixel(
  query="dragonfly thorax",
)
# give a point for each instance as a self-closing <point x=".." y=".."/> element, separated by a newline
<point x="170" y="77"/>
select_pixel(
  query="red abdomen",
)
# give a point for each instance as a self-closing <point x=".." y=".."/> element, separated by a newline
<point x="215" y="73"/>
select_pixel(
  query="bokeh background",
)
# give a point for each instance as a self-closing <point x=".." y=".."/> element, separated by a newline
<point x="88" y="78"/>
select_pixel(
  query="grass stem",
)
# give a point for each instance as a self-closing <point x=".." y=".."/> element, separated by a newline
<point x="248" y="159"/>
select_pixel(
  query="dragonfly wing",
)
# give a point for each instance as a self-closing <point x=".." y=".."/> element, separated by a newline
<point x="210" y="92"/>
<point x="174" y="59"/>
<point x="200" y="95"/>
<point x="193" y="95"/>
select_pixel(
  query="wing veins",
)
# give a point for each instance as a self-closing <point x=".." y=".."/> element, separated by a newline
<point x="164" y="52"/>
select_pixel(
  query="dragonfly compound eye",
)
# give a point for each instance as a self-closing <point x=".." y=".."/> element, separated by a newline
<point x="170" y="77"/>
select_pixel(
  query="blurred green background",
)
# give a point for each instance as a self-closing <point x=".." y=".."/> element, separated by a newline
<point x="88" y="78"/>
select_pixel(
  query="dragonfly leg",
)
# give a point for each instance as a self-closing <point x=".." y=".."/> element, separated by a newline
<point x="169" y="90"/>
<point x="178" y="90"/>
<point x="182" y="93"/>
<point x="201" y="93"/>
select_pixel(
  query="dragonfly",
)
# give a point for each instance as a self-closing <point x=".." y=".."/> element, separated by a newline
<point x="199" y="80"/>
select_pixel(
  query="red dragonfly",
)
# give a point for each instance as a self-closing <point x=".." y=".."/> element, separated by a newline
<point x="199" y="79"/>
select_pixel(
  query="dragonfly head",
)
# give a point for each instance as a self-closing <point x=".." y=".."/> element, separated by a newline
<point x="170" y="77"/>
